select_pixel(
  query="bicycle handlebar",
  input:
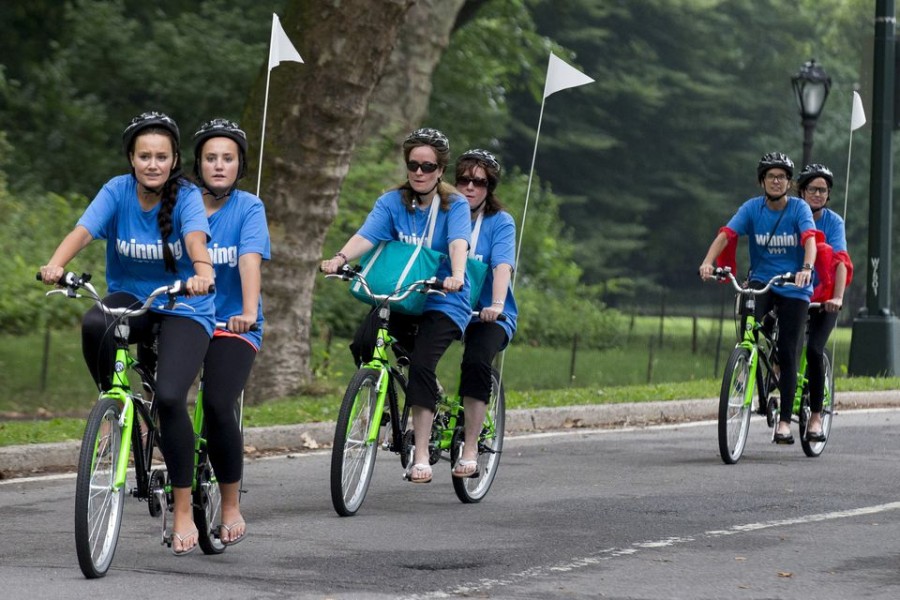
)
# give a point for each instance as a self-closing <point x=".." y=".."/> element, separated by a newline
<point x="72" y="283"/>
<point x="424" y="286"/>
<point x="725" y="274"/>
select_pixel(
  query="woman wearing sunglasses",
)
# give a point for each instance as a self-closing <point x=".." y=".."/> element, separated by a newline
<point x="403" y="214"/>
<point x="834" y="271"/>
<point x="494" y="243"/>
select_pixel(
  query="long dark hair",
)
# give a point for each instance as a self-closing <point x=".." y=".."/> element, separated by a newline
<point x="168" y="194"/>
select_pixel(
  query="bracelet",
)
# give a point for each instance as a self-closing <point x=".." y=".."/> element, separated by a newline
<point x="342" y="255"/>
<point x="498" y="302"/>
<point x="202" y="262"/>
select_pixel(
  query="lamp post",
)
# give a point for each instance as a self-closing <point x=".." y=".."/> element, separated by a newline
<point x="811" y="87"/>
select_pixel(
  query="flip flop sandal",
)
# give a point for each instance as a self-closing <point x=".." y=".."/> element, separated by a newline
<point x="462" y="471"/>
<point x="228" y="528"/>
<point x="425" y="469"/>
<point x="181" y="539"/>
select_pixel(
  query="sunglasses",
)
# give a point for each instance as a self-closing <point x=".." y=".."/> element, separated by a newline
<point x="427" y="167"/>
<point x="478" y="182"/>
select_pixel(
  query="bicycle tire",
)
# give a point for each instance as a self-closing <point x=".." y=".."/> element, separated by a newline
<point x="814" y="449"/>
<point x="207" y="505"/>
<point x="352" y="456"/>
<point x="98" y="506"/>
<point x="471" y="490"/>
<point x="734" y="413"/>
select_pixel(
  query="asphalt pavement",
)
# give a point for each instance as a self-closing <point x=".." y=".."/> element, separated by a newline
<point x="17" y="461"/>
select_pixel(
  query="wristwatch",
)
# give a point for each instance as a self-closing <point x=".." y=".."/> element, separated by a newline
<point x="806" y="267"/>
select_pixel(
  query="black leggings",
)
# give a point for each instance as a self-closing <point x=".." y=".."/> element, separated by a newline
<point x="821" y="324"/>
<point x="181" y="346"/>
<point x="791" y="325"/>
<point x="225" y="371"/>
<point x="426" y="338"/>
<point x="482" y="343"/>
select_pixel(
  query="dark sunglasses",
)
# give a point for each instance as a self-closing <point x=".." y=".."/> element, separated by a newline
<point x="427" y="167"/>
<point x="476" y="181"/>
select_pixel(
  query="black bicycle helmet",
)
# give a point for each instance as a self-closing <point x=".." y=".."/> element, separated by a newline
<point x="812" y="171"/>
<point x="220" y="128"/>
<point x="774" y="160"/>
<point x="146" y="120"/>
<point x="484" y="156"/>
<point x="428" y="137"/>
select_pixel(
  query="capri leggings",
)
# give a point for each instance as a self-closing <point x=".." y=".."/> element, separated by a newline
<point x="821" y="324"/>
<point x="225" y="372"/>
<point x="181" y="345"/>
<point x="791" y="325"/>
<point x="482" y="343"/>
<point x="426" y="338"/>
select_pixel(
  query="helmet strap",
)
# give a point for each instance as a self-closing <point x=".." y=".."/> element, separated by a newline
<point x="474" y="210"/>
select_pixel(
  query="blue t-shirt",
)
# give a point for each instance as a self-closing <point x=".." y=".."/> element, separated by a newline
<point x="783" y="251"/>
<point x="238" y="228"/>
<point x="832" y="225"/>
<point x="390" y="220"/>
<point x="496" y="245"/>
<point x="134" y="251"/>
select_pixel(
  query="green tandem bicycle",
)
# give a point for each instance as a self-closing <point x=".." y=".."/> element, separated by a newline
<point x="374" y="414"/>
<point x="752" y="370"/>
<point x="122" y="431"/>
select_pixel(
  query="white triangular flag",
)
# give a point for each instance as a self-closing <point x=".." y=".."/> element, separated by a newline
<point x="561" y="76"/>
<point x="280" y="46"/>
<point x="858" y="115"/>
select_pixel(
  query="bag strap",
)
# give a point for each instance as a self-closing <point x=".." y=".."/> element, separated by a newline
<point x="432" y="219"/>
<point x="475" y="232"/>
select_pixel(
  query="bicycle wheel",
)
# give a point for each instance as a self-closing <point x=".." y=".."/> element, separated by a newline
<point x="734" y="413"/>
<point x="490" y="446"/>
<point x="814" y="449"/>
<point x="98" y="504"/>
<point x="207" y="504"/>
<point x="353" y="455"/>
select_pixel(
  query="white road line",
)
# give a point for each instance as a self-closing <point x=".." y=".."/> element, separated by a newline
<point x="483" y="585"/>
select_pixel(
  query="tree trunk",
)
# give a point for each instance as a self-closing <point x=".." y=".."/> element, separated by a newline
<point x="401" y="99"/>
<point x="314" y="118"/>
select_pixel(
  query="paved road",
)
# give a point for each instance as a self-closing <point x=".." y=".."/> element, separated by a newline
<point x="629" y="513"/>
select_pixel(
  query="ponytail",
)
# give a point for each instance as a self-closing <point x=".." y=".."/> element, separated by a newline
<point x="164" y="217"/>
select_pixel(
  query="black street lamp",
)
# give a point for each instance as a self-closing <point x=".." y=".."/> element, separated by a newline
<point x="811" y="87"/>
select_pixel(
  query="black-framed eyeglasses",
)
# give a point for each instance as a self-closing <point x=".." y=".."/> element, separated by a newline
<point x="822" y="191"/>
<point x="776" y="178"/>
<point x="478" y="182"/>
<point x="427" y="167"/>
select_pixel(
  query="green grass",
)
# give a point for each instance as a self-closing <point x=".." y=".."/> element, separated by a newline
<point x="642" y="370"/>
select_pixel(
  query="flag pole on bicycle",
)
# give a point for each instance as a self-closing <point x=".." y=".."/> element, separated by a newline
<point x="560" y="76"/>
<point x="280" y="50"/>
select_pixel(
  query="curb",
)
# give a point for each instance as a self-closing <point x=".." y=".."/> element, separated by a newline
<point x="63" y="456"/>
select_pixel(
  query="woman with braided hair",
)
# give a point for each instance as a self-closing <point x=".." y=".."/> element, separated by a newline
<point x="156" y="232"/>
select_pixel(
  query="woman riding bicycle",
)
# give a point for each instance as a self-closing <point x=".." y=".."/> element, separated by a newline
<point x="494" y="243"/>
<point x="156" y="232"/>
<point x="402" y="214"/>
<point x="781" y="235"/>
<point x="834" y="271"/>
<point x="240" y="242"/>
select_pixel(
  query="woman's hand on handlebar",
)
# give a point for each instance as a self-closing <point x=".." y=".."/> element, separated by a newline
<point x="452" y="284"/>
<point x="802" y="278"/>
<point x="834" y="305"/>
<point x="332" y="265"/>
<point x="198" y="285"/>
<point x="241" y="323"/>
<point x="489" y="314"/>
<point x="51" y="274"/>
<point x="706" y="271"/>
